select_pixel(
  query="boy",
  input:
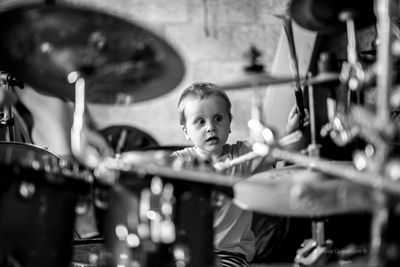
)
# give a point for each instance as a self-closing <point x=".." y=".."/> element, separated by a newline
<point x="205" y="117"/>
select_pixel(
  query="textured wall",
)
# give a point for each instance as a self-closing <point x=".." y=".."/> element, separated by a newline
<point x="233" y="25"/>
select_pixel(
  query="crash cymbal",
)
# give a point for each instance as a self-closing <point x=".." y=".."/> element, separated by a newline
<point x="300" y="192"/>
<point x="121" y="61"/>
<point x="324" y="15"/>
<point x="264" y="79"/>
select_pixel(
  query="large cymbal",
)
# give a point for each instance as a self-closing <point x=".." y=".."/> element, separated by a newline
<point x="295" y="191"/>
<point x="324" y="15"/>
<point x="264" y="79"/>
<point x="121" y="61"/>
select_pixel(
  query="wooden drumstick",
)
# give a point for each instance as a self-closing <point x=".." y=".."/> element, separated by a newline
<point x="294" y="63"/>
<point x="121" y="141"/>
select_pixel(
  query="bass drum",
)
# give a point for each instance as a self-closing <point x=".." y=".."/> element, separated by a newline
<point x="38" y="196"/>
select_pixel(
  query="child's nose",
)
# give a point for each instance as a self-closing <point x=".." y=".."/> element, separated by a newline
<point x="210" y="126"/>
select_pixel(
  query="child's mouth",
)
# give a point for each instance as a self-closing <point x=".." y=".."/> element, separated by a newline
<point x="212" y="140"/>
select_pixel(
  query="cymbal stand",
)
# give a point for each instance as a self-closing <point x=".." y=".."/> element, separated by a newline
<point x="79" y="140"/>
<point x="352" y="77"/>
<point x="374" y="177"/>
<point x="313" y="250"/>
<point x="6" y="115"/>
<point x="382" y="118"/>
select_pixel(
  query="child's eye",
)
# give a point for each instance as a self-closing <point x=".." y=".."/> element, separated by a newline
<point x="218" y="118"/>
<point x="199" y="121"/>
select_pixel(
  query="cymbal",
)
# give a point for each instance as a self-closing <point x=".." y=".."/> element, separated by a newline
<point x="264" y="79"/>
<point x="121" y="61"/>
<point x="324" y="16"/>
<point x="300" y="192"/>
<point x="158" y="161"/>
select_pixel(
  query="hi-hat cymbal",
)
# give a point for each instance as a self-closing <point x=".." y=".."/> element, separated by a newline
<point x="300" y="192"/>
<point x="324" y="15"/>
<point x="264" y="79"/>
<point x="121" y="61"/>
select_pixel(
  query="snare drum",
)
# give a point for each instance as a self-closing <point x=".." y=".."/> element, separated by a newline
<point x="38" y="197"/>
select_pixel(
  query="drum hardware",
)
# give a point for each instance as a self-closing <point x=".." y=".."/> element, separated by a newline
<point x="380" y="219"/>
<point x="7" y="120"/>
<point x="8" y="80"/>
<point x="353" y="77"/>
<point x="26" y="189"/>
<point x="312" y="253"/>
<point x="6" y="113"/>
<point x="39" y="204"/>
<point x="53" y="170"/>
<point x="314" y="250"/>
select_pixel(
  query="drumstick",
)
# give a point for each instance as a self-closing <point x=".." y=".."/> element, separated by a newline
<point x="121" y="141"/>
<point x="295" y="65"/>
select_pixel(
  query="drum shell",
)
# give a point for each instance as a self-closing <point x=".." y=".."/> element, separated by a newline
<point x="193" y="219"/>
<point x="36" y="226"/>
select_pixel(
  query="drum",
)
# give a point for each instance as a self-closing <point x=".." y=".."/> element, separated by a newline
<point x="38" y="197"/>
<point x="157" y="221"/>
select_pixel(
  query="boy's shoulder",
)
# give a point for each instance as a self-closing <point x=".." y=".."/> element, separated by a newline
<point x="185" y="152"/>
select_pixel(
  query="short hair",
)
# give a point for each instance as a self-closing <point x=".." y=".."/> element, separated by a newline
<point x="201" y="90"/>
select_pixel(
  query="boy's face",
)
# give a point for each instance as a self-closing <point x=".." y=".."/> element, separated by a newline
<point x="207" y="124"/>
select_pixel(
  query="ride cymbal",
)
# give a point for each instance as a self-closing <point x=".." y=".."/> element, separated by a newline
<point x="325" y="15"/>
<point x="121" y="61"/>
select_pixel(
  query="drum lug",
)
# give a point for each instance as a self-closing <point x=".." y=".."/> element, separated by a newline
<point x="26" y="189"/>
<point x="181" y="255"/>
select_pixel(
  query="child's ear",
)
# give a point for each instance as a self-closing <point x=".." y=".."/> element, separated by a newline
<point x="185" y="132"/>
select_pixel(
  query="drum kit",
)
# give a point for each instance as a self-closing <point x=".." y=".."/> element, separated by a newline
<point x="151" y="202"/>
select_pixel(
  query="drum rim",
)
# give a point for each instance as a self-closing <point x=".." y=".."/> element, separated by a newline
<point x="79" y="176"/>
<point x="29" y="145"/>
